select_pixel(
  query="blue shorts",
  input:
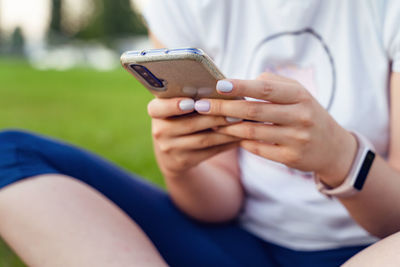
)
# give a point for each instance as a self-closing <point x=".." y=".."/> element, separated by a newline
<point x="181" y="241"/>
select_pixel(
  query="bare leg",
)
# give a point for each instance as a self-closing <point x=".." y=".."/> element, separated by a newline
<point x="53" y="220"/>
<point x="383" y="253"/>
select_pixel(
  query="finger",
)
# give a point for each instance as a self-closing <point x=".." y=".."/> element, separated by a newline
<point x="203" y="154"/>
<point x="276" y="77"/>
<point x="197" y="141"/>
<point x="282" y="154"/>
<point x="249" y="110"/>
<point x="188" y="125"/>
<point x="168" y="107"/>
<point x="268" y="151"/>
<point x="271" y="90"/>
<point x="268" y="133"/>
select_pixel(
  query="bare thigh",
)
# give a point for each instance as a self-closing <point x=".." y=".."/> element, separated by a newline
<point x="383" y="253"/>
<point x="55" y="220"/>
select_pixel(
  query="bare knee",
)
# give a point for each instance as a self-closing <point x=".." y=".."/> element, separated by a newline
<point x="41" y="186"/>
<point x="42" y="195"/>
<point x="382" y="253"/>
<point x="47" y="195"/>
<point x="51" y="217"/>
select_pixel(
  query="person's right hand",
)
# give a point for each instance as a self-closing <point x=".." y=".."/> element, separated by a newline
<point x="182" y="142"/>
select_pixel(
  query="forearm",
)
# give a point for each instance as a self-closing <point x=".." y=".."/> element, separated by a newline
<point x="376" y="208"/>
<point x="208" y="192"/>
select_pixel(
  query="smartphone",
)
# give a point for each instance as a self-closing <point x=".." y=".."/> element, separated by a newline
<point x="180" y="72"/>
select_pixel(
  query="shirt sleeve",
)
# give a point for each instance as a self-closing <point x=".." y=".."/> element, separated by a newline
<point x="172" y="22"/>
<point x="392" y="33"/>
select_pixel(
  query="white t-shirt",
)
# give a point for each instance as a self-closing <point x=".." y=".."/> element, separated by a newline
<point x="342" y="51"/>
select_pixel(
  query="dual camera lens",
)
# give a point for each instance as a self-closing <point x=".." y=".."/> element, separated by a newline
<point x="146" y="74"/>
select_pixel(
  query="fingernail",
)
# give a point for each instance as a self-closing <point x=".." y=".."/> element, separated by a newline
<point x="224" y="86"/>
<point x="202" y="105"/>
<point x="186" y="104"/>
<point x="232" y="119"/>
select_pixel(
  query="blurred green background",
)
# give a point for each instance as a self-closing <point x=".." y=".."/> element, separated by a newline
<point x="65" y="89"/>
<point x="104" y="112"/>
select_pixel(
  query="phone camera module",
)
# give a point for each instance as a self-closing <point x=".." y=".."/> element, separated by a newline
<point x="138" y="68"/>
<point x="149" y="77"/>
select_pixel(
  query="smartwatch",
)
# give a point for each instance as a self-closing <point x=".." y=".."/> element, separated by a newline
<point x="358" y="173"/>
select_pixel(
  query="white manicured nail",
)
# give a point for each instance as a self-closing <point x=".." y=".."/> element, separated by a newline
<point x="224" y="86"/>
<point x="186" y="104"/>
<point x="232" y="119"/>
<point x="202" y="105"/>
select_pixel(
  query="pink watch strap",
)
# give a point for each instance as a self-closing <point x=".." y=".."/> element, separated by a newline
<point x="358" y="173"/>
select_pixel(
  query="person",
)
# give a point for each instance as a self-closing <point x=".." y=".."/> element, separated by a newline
<point x="322" y="106"/>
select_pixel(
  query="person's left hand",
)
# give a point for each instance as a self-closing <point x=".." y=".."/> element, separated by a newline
<point x="291" y="127"/>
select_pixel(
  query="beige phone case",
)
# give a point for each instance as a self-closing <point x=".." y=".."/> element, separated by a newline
<point x="184" y="72"/>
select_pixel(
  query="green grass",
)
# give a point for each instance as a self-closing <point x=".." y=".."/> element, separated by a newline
<point x="104" y="112"/>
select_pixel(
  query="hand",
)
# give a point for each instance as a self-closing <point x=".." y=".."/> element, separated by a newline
<point x="182" y="142"/>
<point x="290" y="126"/>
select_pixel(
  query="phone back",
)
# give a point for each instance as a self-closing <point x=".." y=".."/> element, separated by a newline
<point x="186" y="72"/>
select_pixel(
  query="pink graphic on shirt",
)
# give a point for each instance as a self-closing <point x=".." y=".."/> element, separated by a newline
<point x="304" y="75"/>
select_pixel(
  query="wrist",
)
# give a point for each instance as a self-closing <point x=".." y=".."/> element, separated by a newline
<point x="340" y="161"/>
<point x="174" y="175"/>
<point x="181" y="174"/>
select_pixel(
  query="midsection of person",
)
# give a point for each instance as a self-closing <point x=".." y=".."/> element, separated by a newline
<point x="335" y="50"/>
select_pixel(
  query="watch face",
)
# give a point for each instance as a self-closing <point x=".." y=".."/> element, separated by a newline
<point x="363" y="173"/>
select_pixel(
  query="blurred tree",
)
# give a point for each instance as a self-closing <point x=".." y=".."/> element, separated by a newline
<point x="1" y="36"/>
<point x="56" y="33"/>
<point x="112" y="19"/>
<point x="55" y="23"/>
<point x="17" y="42"/>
